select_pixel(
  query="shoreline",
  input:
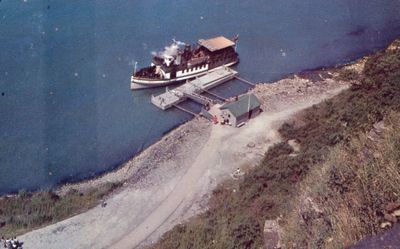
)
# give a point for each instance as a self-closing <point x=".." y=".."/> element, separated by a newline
<point x="122" y="173"/>
<point x="196" y="152"/>
<point x="171" y="155"/>
<point x="181" y="171"/>
<point x="127" y="172"/>
<point x="172" y="180"/>
<point x="127" y="169"/>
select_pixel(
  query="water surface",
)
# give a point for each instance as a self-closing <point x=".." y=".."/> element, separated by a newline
<point x="66" y="111"/>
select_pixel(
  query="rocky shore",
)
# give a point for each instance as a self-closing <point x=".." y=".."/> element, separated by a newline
<point x="160" y="166"/>
<point x="171" y="181"/>
<point x="196" y="131"/>
<point x="275" y="96"/>
<point x="303" y="87"/>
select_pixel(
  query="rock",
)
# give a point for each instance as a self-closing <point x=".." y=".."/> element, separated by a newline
<point x="386" y="225"/>
<point x="309" y="211"/>
<point x="295" y="145"/>
<point x="376" y="155"/>
<point x="390" y="218"/>
<point x="379" y="127"/>
<point x="396" y="213"/>
<point x="251" y="145"/>
<point x="389" y="239"/>
<point x="272" y="235"/>
<point x="392" y="206"/>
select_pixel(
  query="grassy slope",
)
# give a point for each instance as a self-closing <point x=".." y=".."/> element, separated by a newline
<point x="237" y="210"/>
<point x="351" y="189"/>
<point x="27" y="211"/>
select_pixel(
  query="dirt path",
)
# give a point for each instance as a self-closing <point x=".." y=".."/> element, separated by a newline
<point x="172" y="191"/>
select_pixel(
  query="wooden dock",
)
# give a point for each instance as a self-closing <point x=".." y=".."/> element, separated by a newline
<point x="193" y="89"/>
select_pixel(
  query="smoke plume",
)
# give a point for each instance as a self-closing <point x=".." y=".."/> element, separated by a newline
<point x="171" y="50"/>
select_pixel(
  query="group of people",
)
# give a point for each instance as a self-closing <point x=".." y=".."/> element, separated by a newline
<point x="12" y="243"/>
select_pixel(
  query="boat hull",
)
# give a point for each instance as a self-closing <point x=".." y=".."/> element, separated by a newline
<point x="137" y="83"/>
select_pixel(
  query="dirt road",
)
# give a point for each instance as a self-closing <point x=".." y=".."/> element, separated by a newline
<point x="172" y="191"/>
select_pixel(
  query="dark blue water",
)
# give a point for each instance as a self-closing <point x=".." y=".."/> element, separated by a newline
<point x="66" y="111"/>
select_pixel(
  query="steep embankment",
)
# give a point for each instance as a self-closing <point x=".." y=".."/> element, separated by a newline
<point x="329" y="190"/>
<point x="354" y="192"/>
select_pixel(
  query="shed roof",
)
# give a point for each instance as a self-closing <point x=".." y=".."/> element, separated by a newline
<point x="242" y="105"/>
<point x="216" y="43"/>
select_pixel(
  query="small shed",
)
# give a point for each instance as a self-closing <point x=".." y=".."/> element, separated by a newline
<point x="237" y="112"/>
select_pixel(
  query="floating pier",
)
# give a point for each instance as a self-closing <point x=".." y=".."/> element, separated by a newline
<point x="193" y="89"/>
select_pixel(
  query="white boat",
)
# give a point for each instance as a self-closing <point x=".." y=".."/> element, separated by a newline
<point x="181" y="62"/>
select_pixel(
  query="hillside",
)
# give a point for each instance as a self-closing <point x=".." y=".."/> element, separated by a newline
<point x="337" y="185"/>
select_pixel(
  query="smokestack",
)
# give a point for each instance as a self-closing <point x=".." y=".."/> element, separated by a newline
<point x="171" y="52"/>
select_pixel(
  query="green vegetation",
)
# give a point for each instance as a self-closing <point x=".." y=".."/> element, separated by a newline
<point x="237" y="210"/>
<point x="27" y="211"/>
<point x="355" y="185"/>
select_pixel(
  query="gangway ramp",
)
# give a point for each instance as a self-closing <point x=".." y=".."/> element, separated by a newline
<point x="193" y="88"/>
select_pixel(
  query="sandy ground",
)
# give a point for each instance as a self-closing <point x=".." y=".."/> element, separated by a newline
<point x="171" y="181"/>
